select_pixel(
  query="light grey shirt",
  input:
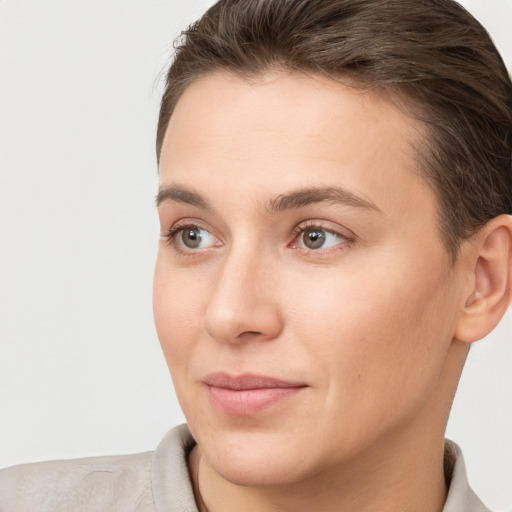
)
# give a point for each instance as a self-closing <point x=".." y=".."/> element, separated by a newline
<point x="147" y="482"/>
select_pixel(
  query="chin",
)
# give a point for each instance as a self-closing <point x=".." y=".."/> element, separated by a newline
<point x="257" y="471"/>
<point x="255" y="458"/>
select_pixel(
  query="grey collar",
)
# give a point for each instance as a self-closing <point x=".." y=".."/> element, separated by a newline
<point x="172" y="488"/>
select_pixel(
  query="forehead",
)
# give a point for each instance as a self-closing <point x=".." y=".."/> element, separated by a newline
<point x="294" y="105"/>
<point x="282" y="130"/>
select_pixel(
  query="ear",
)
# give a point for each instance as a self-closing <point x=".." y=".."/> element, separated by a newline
<point x="491" y="280"/>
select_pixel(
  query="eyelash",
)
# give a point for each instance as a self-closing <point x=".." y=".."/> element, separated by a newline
<point x="300" y="229"/>
<point x="170" y="237"/>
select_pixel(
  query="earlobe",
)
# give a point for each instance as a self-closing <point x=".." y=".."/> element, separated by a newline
<point x="491" y="293"/>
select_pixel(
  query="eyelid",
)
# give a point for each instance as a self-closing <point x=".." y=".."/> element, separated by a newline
<point x="326" y="226"/>
<point x="346" y="236"/>
<point x="187" y="223"/>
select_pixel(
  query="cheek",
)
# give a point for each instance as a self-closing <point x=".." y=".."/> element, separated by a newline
<point x="178" y="309"/>
<point x="378" y="338"/>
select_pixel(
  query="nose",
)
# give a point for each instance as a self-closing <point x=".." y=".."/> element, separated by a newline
<point x="244" y="304"/>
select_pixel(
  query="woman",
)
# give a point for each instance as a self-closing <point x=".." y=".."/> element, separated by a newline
<point x="322" y="270"/>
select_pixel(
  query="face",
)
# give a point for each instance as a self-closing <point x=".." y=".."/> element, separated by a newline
<point x="303" y="297"/>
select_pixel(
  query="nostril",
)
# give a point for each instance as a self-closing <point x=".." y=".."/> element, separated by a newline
<point x="238" y="313"/>
<point x="249" y="336"/>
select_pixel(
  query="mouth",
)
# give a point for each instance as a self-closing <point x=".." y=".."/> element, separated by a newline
<point x="247" y="394"/>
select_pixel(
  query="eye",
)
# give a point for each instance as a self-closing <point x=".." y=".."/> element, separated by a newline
<point x="191" y="238"/>
<point x="313" y="238"/>
<point x="316" y="238"/>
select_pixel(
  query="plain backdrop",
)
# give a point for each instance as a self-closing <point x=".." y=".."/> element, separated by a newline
<point x="81" y="371"/>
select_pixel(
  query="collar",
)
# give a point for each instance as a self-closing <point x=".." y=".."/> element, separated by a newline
<point x="460" y="495"/>
<point x="172" y="488"/>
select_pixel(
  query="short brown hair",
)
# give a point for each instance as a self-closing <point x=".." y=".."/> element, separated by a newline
<point x="431" y="53"/>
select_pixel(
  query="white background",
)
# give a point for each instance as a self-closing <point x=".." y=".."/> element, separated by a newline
<point x="81" y="372"/>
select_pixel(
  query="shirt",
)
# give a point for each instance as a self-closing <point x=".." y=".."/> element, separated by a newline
<point x="149" y="482"/>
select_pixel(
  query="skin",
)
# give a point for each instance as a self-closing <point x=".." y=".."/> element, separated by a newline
<point x="368" y="322"/>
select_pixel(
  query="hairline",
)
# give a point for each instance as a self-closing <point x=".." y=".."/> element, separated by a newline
<point x="420" y="139"/>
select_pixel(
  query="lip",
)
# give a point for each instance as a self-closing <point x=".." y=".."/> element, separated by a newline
<point x="248" y="394"/>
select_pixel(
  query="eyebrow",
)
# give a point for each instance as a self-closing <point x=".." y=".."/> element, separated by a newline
<point x="331" y="195"/>
<point x="181" y="195"/>
<point x="293" y="200"/>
